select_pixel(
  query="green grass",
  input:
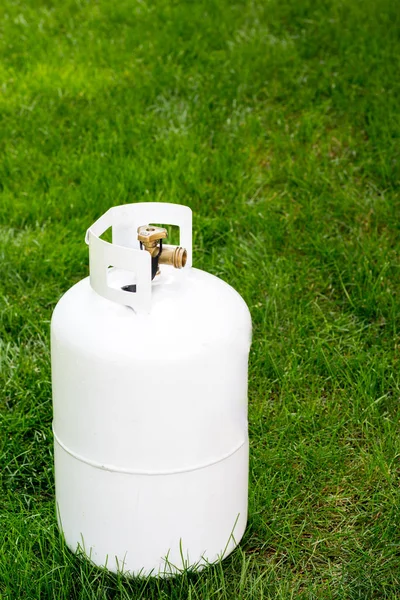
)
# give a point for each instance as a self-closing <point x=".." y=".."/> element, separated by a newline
<point x="278" y="123"/>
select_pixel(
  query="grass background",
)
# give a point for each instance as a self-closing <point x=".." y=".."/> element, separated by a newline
<point x="278" y="123"/>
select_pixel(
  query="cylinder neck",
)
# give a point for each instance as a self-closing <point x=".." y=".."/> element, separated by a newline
<point x="125" y="252"/>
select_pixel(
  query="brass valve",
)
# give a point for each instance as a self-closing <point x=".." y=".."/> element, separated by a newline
<point x="151" y="239"/>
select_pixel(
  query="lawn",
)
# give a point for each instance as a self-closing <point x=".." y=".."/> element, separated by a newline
<point x="278" y="123"/>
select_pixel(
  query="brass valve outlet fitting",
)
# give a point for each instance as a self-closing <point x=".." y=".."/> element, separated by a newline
<point x="173" y="255"/>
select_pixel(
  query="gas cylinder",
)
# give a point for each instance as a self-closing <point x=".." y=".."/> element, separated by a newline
<point x="149" y="375"/>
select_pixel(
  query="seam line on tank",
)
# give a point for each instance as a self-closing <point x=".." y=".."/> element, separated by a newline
<point x="105" y="467"/>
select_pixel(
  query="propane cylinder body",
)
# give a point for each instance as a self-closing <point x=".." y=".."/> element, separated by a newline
<point x="150" y="423"/>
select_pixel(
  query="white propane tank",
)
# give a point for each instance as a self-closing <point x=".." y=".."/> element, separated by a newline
<point x="150" y="402"/>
